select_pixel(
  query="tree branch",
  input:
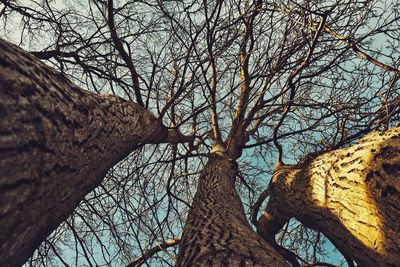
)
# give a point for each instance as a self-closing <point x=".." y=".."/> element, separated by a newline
<point x="150" y="252"/>
<point x="350" y="42"/>
<point x="120" y="48"/>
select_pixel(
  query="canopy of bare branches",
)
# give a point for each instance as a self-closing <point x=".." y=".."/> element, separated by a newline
<point x="269" y="81"/>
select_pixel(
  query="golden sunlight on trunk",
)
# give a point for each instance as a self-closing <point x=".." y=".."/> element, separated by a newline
<point x="351" y="195"/>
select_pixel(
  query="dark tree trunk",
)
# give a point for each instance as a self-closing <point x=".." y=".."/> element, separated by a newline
<point x="217" y="232"/>
<point x="57" y="142"/>
<point x="351" y="195"/>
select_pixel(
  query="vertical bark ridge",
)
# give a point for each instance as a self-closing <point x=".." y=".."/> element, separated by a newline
<point x="352" y="195"/>
<point x="57" y="142"/>
<point x="217" y="232"/>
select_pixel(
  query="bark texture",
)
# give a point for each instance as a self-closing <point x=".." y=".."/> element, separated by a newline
<point x="57" y="142"/>
<point x="217" y="232"/>
<point x="351" y="195"/>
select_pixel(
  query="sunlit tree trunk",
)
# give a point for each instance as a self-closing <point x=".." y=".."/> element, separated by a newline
<point x="57" y="142"/>
<point x="351" y="195"/>
<point x="217" y="232"/>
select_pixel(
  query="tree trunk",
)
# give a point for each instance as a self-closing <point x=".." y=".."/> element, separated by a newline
<point x="57" y="142"/>
<point x="351" y="195"/>
<point x="217" y="232"/>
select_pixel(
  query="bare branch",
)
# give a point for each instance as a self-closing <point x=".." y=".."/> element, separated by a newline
<point x="120" y="47"/>
<point x="150" y="252"/>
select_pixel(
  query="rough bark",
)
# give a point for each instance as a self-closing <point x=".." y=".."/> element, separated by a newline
<point x="217" y="232"/>
<point x="351" y="195"/>
<point x="57" y="142"/>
